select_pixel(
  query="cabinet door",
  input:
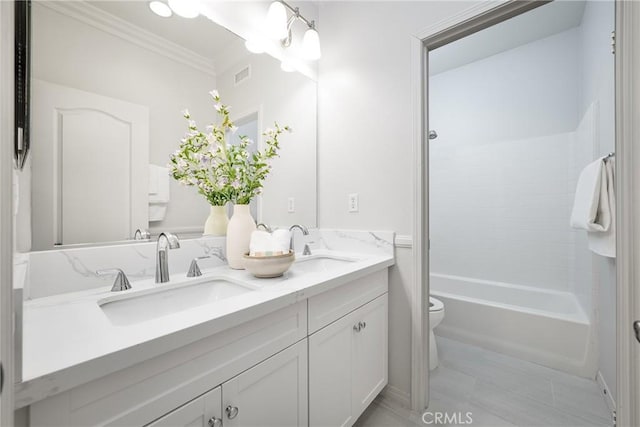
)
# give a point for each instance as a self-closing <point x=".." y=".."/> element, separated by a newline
<point x="272" y="393"/>
<point x="348" y="365"/>
<point x="330" y="374"/>
<point x="370" y="353"/>
<point x="204" y="411"/>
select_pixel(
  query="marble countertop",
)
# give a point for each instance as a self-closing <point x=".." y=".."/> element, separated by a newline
<point x="68" y="340"/>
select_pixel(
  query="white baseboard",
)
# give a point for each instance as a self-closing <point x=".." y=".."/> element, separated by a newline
<point x="394" y="396"/>
<point x="399" y="403"/>
<point x="606" y="392"/>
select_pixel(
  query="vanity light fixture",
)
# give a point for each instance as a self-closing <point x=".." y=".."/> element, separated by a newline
<point x="278" y="27"/>
<point x="311" y="43"/>
<point x="185" y="8"/>
<point x="160" y="9"/>
<point x="276" y="23"/>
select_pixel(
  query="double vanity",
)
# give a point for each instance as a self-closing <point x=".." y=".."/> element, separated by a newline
<point x="308" y="348"/>
<point x="223" y="348"/>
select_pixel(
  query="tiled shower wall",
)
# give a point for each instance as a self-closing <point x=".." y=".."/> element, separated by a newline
<point x="504" y="168"/>
<point x="501" y="211"/>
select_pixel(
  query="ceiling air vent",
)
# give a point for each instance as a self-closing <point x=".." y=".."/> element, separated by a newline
<point x="242" y="75"/>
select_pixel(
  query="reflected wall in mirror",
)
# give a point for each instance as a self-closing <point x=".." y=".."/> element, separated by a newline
<point x="110" y="80"/>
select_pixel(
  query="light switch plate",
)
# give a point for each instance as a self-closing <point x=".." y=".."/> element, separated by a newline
<point x="291" y="205"/>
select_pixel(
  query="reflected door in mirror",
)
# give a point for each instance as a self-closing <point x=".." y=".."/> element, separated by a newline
<point x="95" y="189"/>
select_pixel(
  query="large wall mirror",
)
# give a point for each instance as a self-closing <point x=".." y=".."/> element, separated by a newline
<point x="109" y="82"/>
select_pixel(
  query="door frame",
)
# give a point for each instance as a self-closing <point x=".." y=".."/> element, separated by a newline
<point x="6" y="209"/>
<point x="627" y="94"/>
<point x="627" y="210"/>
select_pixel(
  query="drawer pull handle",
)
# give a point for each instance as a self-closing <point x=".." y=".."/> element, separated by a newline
<point x="363" y="324"/>
<point x="215" y="422"/>
<point x="232" y="412"/>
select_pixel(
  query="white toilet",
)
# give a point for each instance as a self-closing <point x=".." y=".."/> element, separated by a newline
<point x="436" y="314"/>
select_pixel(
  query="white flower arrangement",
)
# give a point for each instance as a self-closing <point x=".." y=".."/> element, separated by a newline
<point x="223" y="172"/>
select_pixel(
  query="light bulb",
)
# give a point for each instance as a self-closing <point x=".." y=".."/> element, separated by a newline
<point x="254" y="45"/>
<point x="160" y="9"/>
<point x="311" y="44"/>
<point x="276" y="23"/>
<point x="185" y="8"/>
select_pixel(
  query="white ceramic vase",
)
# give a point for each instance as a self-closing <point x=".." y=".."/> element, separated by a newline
<point x="241" y="225"/>
<point x="216" y="224"/>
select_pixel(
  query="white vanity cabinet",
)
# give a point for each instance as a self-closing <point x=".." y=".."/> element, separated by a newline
<point x="239" y="359"/>
<point x="204" y="411"/>
<point x="348" y="349"/>
<point x="348" y="365"/>
<point x="319" y="361"/>
<point x="272" y="393"/>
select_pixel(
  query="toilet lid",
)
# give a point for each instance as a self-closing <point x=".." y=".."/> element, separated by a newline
<point x="435" y="304"/>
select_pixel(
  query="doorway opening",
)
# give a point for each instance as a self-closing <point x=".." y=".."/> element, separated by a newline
<point x="487" y="167"/>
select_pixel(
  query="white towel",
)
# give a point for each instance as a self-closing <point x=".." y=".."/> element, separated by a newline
<point x="594" y="206"/>
<point x="159" y="181"/>
<point x="158" y="184"/>
<point x="604" y="243"/>
<point x="260" y="243"/>
<point x="282" y="240"/>
<point x="264" y="243"/>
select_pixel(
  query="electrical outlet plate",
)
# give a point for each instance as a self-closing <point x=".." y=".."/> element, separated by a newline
<point x="353" y="202"/>
<point x="291" y="205"/>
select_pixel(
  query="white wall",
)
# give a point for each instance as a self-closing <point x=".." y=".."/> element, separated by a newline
<point x="500" y="211"/>
<point x="598" y="85"/>
<point x="71" y="53"/>
<point x="288" y="99"/>
<point x="580" y="257"/>
<point x="499" y="168"/>
<point x="525" y="92"/>
<point x="365" y="136"/>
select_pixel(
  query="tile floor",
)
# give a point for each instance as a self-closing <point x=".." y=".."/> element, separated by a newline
<point x="502" y="391"/>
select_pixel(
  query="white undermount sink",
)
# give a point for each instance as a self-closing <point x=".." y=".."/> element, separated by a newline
<point x="127" y="309"/>
<point x="318" y="263"/>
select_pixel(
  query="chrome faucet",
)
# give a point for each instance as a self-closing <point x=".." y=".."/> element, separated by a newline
<point x="166" y="241"/>
<point x="194" y="269"/>
<point x="142" y="235"/>
<point x="265" y="226"/>
<point x="305" y="232"/>
<point x="121" y="283"/>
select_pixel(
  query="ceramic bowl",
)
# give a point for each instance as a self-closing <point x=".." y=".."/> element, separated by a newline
<point x="268" y="266"/>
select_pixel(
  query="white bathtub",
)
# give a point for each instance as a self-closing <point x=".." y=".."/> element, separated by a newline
<point x="543" y="326"/>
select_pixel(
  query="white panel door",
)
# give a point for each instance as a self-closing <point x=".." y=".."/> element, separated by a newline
<point x="370" y="353"/>
<point x="90" y="157"/>
<point x="204" y="411"/>
<point x="330" y="374"/>
<point x="95" y="204"/>
<point x="271" y="394"/>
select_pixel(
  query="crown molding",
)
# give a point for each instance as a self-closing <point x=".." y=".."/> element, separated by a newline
<point x="104" y="21"/>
